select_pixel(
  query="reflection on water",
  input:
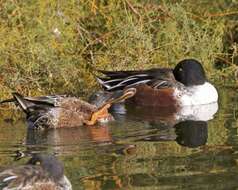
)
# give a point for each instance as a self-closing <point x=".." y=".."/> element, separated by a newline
<point x="191" y="133"/>
<point x="146" y="149"/>
<point x="187" y="133"/>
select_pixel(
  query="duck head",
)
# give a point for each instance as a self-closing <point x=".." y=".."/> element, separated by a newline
<point x="101" y="98"/>
<point x="50" y="164"/>
<point x="104" y="100"/>
<point x="189" y="72"/>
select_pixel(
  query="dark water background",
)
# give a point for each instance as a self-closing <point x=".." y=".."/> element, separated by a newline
<point x="144" y="151"/>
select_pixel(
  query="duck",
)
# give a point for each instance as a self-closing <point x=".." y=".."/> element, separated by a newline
<point x="42" y="171"/>
<point x="184" y="85"/>
<point x="60" y="111"/>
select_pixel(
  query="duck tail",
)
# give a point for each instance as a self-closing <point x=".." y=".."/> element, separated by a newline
<point x="24" y="104"/>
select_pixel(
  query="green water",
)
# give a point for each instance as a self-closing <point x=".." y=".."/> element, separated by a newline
<point x="143" y="151"/>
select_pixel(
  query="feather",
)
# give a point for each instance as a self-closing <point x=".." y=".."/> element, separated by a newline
<point x="118" y="80"/>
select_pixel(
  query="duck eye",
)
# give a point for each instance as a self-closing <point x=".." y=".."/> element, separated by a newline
<point x="180" y="69"/>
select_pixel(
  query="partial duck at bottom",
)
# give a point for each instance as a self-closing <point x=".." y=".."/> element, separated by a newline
<point x="41" y="172"/>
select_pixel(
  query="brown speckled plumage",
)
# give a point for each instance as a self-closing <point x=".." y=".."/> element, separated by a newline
<point x="28" y="177"/>
<point x="45" y="174"/>
<point x="65" y="113"/>
<point x="71" y="112"/>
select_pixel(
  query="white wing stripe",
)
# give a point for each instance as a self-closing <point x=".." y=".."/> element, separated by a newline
<point x="133" y="84"/>
<point x="9" y="178"/>
<point x="102" y="83"/>
<point x="139" y="75"/>
<point x="139" y="82"/>
<point x="121" y="83"/>
<point x="159" y="84"/>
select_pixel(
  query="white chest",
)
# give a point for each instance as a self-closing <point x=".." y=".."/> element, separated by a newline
<point x="197" y="95"/>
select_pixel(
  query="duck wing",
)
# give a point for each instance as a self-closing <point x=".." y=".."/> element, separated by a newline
<point x="21" y="177"/>
<point x="36" y="108"/>
<point x="29" y="105"/>
<point x="48" y="100"/>
<point x="118" y="80"/>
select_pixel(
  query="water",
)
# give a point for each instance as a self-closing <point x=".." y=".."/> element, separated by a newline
<point x="146" y="150"/>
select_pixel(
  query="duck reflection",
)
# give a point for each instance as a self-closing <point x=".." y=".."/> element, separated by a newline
<point x="191" y="133"/>
<point x="188" y="127"/>
<point x="69" y="141"/>
<point x="94" y="134"/>
<point x="188" y="133"/>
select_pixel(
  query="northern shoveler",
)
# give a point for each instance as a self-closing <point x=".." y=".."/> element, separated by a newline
<point x="184" y="85"/>
<point x="62" y="111"/>
<point x="42" y="171"/>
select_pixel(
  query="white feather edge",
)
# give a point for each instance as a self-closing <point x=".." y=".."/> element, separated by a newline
<point x="123" y="80"/>
<point x="109" y="87"/>
<point x="9" y="178"/>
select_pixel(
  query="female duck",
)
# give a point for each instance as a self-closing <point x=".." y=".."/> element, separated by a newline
<point x="185" y="85"/>
<point x="62" y="111"/>
<point x="40" y="173"/>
